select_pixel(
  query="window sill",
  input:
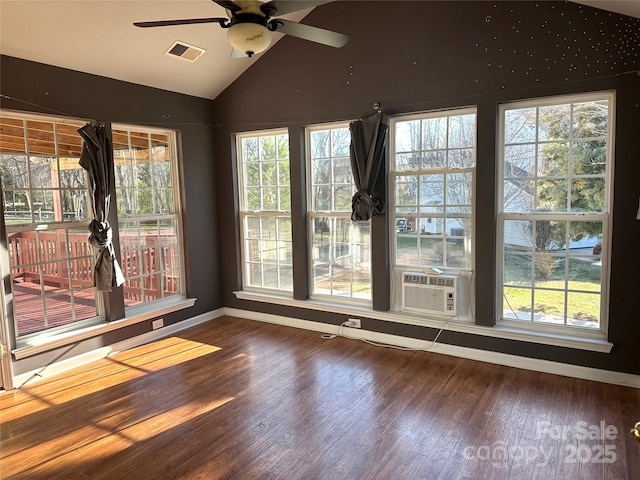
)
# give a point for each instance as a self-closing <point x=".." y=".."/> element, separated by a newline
<point x="454" y="325"/>
<point x="42" y="343"/>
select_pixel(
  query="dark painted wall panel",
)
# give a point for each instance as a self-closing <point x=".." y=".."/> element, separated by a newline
<point x="36" y="87"/>
<point x="425" y="55"/>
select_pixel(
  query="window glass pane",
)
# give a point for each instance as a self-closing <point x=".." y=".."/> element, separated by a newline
<point x="462" y="158"/>
<point x="433" y="159"/>
<point x="443" y="197"/>
<point x="339" y="248"/>
<point x="160" y="149"/>
<point x="72" y="175"/>
<point x="590" y="119"/>
<point x="41" y="170"/>
<point x="434" y="134"/>
<point x="549" y="306"/>
<point x="519" y="196"/>
<point x="342" y="199"/>
<point x="139" y="145"/>
<point x="267" y="149"/>
<point x="459" y="189"/>
<point x="519" y="161"/>
<point x="554" y="122"/>
<point x="320" y="143"/>
<point x="553" y="160"/>
<point x="431" y="252"/>
<point x="42" y="203"/>
<point x="517" y="303"/>
<point x="585" y="273"/>
<point x="462" y="131"/>
<point x="520" y="125"/>
<point x="411" y="161"/>
<point x="40" y="137"/>
<point x="162" y="174"/>
<point x="14" y="171"/>
<point x="407" y="136"/>
<point x="572" y="157"/>
<point x="145" y="166"/>
<point x="589" y="157"/>
<point x="517" y="269"/>
<point x="406" y="250"/>
<point x="518" y="235"/>
<point x="583" y="309"/>
<point x="407" y="190"/>
<point x="12" y="135"/>
<point x="267" y="249"/>
<point x="249" y="149"/>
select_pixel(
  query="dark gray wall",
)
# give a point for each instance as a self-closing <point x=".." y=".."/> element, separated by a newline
<point x="36" y="87"/>
<point x="423" y="55"/>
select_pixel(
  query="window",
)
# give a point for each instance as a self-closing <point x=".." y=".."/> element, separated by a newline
<point x="340" y="248"/>
<point x="148" y="222"/>
<point x="432" y="180"/>
<point x="46" y="212"/>
<point x="265" y="210"/>
<point x="47" y="209"/>
<point x="554" y="211"/>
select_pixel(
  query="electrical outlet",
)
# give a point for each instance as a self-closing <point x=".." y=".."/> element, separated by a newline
<point x="353" y="323"/>
<point x="156" y="324"/>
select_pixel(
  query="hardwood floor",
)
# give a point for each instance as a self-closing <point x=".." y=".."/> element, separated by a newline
<point x="238" y="399"/>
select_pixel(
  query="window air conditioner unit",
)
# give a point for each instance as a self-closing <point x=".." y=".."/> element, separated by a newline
<point x="426" y="293"/>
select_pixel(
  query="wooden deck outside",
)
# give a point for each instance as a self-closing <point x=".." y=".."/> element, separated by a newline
<point x="65" y="270"/>
<point x="238" y="399"/>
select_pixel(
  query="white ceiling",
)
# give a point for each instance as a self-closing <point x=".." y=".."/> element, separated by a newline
<point x="97" y="36"/>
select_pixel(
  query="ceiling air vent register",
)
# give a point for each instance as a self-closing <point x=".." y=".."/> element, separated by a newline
<point x="184" y="51"/>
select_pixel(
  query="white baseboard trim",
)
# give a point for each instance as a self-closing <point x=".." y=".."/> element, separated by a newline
<point x="546" y="366"/>
<point x="62" y="366"/>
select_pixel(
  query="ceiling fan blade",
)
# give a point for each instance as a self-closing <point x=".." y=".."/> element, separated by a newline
<point x="186" y="21"/>
<point x="229" y="5"/>
<point x="307" y="32"/>
<point x="283" y="7"/>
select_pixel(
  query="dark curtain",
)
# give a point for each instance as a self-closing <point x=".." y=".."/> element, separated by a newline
<point x="97" y="160"/>
<point x="368" y="151"/>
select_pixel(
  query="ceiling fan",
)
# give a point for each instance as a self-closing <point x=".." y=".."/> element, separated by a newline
<point x="251" y="22"/>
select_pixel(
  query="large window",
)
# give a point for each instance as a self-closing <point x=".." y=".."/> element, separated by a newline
<point x="148" y="221"/>
<point x="554" y="211"/>
<point x="46" y="212"/>
<point x="265" y="210"/>
<point x="47" y="209"/>
<point x="340" y="248"/>
<point x="432" y="179"/>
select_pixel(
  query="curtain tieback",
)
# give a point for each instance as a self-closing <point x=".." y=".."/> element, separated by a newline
<point x="100" y="235"/>
<point x="364" y="206"/>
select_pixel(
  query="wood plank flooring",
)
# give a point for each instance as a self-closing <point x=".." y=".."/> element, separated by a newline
<point x="238" y="399"/>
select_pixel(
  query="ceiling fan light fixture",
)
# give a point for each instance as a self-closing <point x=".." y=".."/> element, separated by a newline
<point x="249" y="38"/>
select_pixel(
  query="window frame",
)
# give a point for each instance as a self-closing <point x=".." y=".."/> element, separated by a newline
<point x="24" y="346"/>
<point x="176" y="216"/>
<point x="605" y="217"/>
<point x="334" y="215"/>
<point x="277" y="214"/>
<point x="466" y="276"/>
<point x="46" y="225"/>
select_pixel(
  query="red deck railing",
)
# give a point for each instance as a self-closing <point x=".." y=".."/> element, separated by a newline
<point x="149" y="263"/>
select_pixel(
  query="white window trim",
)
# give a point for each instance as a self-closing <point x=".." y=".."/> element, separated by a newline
<point x="312" y="214"/>
<point x="49" y="340"/>
<point x="42" y="341"/>
<point x="541" y="329"/>
<point x="243" y="212"/>
<point x="397" y="270"/>
<point x="177" y="216"/>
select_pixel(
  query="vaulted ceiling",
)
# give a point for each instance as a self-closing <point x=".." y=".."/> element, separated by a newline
<point x="98" y="37"/>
